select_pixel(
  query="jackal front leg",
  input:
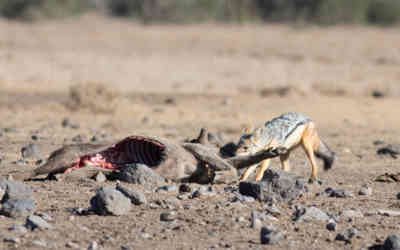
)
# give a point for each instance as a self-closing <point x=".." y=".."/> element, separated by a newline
<point x="261" y="170"/>
<point x="285" y="162"/>
<point x="248" y="172"/>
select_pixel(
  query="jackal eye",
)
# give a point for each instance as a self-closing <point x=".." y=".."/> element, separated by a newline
<point x="246" y="148"/>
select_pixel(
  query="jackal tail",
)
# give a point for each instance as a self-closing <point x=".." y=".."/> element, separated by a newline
<point x="326" y="155"/>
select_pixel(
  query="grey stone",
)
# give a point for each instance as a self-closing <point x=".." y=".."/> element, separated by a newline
<point x="29" y="151"/>
<point x="347" y="235"/>
<point x="18" y="229"/>
<point x="168" y="216"/>
<point x="36" y="222"/>
<point x="365" y="191"/>
<point x="71" y="244"/>
<point x="125" y="247"/>
<point x="93" y="246"/>
<point x="45" y="216"/>
<point x="140" y="174"/>
<point x="276" y="185"/>
<point x="388" y="212"/>
<point x="18" y="208"/>
<point x="242" y="198"/>
<point x="351" y="213"/>
<point x="331" y="226"/>
<point x="338" y="193"/>
<point x="255" y="220"/>
<point x="109" y="201"/>
<point x="272" y="209"/>
<point x="39" y="243"/>
<point x="392" y="242"/>
<point x="14" y="240"/>
<point x="270" y="236"/>
<point x="14" y="190"/>
<point x="203" y="191"/>
<point x="169" y="188"/>
<point x="136" y="197"/>
<point x="100" y="177"/>
<point x="2" y="193"/>
<point x="307" y="214"/>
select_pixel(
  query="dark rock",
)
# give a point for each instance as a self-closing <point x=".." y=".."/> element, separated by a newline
<point x="30" y="150"/>
<point x="14" y="240"/>
<point x="309" y="214"/>
<point x="269" y="236"/>
<point x="185" y="188"/>
<point x="347" y="235"/>
<point x="203" y="191"/>
<point x="35" y="137"/>
<point x="14" y="190"/>
<point x="168" y="216"/>
<point x="338" y="193"/>
<point x="276" y="185"/>
<point x="36" y="222"/>
<point x="136" y="197"/>
<point x="392" y="242"/>
<point x="109" y="201"/>
<point x="377" y="94"/>
<point x="140" y="174"/>
<point x="18" y="208"/>
<point x="331" y="226"/>
<point x="398" y="196"/>
<point x="391" y="150"/>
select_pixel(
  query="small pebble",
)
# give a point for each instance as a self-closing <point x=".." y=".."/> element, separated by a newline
<point x="14" y="240"/>
<point x="39" y="243"/>
<point x="71" y="244"/>
<point x="168" y="216"/>
<point x="331" y="226"/>
<point x="365" y="191"/>
<point x="18" y="229"/>
<point x="93" y="246"/>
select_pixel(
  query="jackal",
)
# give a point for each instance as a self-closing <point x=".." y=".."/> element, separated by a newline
<point x="289" y="130"/>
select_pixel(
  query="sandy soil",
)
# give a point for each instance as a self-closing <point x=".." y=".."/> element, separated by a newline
<point x="172" y="80"/>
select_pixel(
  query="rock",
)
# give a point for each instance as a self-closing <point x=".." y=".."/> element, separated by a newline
<point x="100" y="177"/>
<point x="2" y="193"/>
<point x="392" y="242"/>
<point x="18" y="229"/>
<point x="109" y="201"/>
<point x="398" y="196"/>
<point x="255" y="220"/>
<point x="388" y="212"/>
<point x="14" y="240"/>
<point x="347" y="235"/>
<point x="307" y="214"/>
<point x="169" y="188"/>
<point x="39" y="243"/>
<point x="351" y="213"/>
<point x="276" y="185"/>
<point x="242" y="198"/>
<point x="45" y="216"/>
<point x="338" y="193"/>
<point x="136" y="197"/>
<point x="29" y="151"/>
<point x="34" y="221"/>
<point x="140" y="174"/>
<point x="93" y="246"/>
<point x="269" y="236"/>
<point x="71" y="244"/>
<point x="331" y="226"/>
<point x="18" y="208"/>
<point x="184" y="188"/>
<point x="365" y="191"/>
<point x="14" y="190"/>
<point x="203" y="191"/>
<point x="391" y="150"/>
<point x="168" y="216"/>
<point x="273" y="210"/>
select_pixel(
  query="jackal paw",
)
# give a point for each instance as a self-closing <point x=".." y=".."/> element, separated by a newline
<point x="315" y="181"/>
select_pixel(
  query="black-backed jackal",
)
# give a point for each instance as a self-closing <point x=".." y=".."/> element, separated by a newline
<point x="289" y="130"/>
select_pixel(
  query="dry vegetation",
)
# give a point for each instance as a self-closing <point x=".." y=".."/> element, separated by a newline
<point x="169" y="81"/>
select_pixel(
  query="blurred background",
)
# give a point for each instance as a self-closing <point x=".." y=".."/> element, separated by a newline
<point x="132" y="63"/>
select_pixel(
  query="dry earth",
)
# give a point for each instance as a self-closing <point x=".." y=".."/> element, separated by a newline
<point x="172" y="80"/>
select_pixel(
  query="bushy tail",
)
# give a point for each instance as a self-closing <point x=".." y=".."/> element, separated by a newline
<point x="326" y="154"/>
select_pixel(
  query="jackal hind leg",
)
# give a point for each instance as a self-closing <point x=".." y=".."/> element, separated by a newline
<point x="248" y="172"/>
<point x="261" y="170"/>
<point x="285" y="162"/>
<point x="310" y="142"/>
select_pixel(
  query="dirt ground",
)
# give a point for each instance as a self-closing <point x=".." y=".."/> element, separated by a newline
<point x="170" y="81"/>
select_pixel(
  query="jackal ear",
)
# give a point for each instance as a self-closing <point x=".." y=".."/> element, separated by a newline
<point x="247" y="128"/>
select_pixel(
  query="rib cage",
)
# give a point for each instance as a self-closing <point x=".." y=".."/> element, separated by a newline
<point x="135" y="149"/>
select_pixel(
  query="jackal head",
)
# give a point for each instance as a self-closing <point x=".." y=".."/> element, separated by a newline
<point x="249" y="143"/>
